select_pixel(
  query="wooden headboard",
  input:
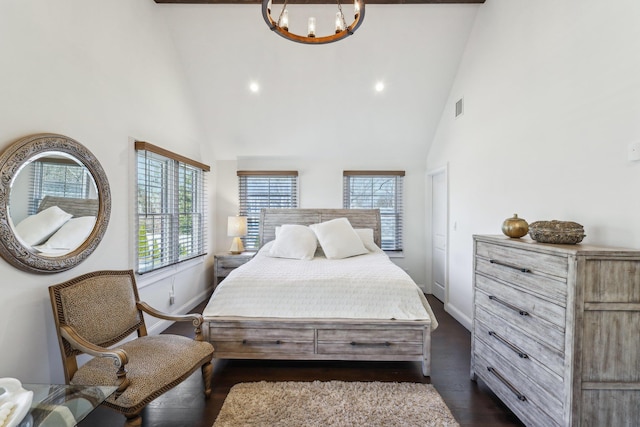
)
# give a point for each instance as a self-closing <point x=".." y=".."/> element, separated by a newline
<point x="76" y="207"/>
<point x="359" y="218"/>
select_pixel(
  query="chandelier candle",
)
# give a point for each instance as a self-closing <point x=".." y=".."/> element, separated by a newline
<point x="339" y="22"/>
<point x="311" y="29"/>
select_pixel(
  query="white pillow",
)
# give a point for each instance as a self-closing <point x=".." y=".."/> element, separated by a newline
<point x="366" y="235"/>
<point x="71" y="235"/>
<point x="338" y="239"/>
<point x="295" y="242"/>
<point x="37" y="228"/>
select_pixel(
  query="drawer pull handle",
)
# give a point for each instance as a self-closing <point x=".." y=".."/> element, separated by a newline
<point x="513" y="348"/>
<point x="514" y="390"/>
<point x="371" y="344"/>
<point x="247" y="342"/>
<point x="520" y="311"/>
<point x="515" y="267"/>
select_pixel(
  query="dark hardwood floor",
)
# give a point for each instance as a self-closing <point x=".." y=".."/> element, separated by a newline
<point x="472" y="404"/>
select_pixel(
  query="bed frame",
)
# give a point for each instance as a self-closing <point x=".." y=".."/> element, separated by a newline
<point x="319" y="339"/>
<point x="76" y="207"/>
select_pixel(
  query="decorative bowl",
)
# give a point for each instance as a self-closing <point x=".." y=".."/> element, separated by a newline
<point x="556" y="232"/>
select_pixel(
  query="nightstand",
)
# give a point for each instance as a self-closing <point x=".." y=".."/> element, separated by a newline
<point x="225" y="262"/>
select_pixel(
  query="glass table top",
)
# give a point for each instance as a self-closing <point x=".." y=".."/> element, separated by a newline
<point x="59" y="405"/>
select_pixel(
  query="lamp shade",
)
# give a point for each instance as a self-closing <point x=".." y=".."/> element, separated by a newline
<point x="237" y="226"/>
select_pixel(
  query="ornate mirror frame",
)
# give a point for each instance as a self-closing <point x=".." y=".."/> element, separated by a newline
<point x="11" y="161"/>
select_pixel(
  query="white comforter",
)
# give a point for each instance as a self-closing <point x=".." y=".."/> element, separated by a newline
<point x="368" y="286"/>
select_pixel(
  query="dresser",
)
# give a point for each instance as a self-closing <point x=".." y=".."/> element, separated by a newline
<point x="556" y="330"/>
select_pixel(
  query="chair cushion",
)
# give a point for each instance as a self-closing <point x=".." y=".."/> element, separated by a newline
<point x="156" y="364"/>
<point x="109" y="299"/>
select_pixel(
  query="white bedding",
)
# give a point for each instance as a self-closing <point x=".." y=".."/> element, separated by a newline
<point x="367" y="286"/>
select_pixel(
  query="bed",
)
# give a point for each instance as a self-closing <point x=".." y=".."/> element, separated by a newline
<point x="275" y="308"/>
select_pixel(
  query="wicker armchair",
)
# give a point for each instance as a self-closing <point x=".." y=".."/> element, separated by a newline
<point x="98" y="310"/>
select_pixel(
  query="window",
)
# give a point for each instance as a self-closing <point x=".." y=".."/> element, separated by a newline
<point x="264" y="189"/>
<point x="60" y="177"/>
<point x="170" y="207"/>
<point x="378" y="190"/>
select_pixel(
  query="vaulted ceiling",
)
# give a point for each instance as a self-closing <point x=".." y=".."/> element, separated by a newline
<point x="320" y="101"/>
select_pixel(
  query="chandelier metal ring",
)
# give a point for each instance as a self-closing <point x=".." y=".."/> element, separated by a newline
<point x="311" y="38"/>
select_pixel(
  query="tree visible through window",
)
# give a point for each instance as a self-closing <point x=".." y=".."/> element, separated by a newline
<point x="170" y="207"/>
<point x="264" y="189"/>
<point x="378" y="190"/>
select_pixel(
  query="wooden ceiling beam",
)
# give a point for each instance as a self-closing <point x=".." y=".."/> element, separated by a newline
<point x="320" y="1"/>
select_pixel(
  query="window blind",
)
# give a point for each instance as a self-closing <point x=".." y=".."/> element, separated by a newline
<point x="58" y="177"/>
<point x="264" y="189"/>
<point x="378" y="190"/>
<point x="171" y="208"/>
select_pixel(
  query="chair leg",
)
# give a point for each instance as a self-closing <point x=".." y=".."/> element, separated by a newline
<point x="133" y="420"/>
<point x="207" y="370"/>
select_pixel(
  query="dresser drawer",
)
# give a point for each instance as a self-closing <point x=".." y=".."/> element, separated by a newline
<point x="552" y="288"/>
<point x="545" y="355"/>
<point x="535" y="317"/>
<point x="486" y="343"/>
<point x="522" y="396"/>
<point x="374" y="342"/>
<point x="537" y="262"/>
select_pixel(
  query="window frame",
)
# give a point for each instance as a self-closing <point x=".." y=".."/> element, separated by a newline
<point x="252" y="240"/>
<point x="180" y="196"/>
<point x="392" y="223"/>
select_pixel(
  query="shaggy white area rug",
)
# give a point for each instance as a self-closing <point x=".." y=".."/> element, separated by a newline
<point x="334" y="403"/>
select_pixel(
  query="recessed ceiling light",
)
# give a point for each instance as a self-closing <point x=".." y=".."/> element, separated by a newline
<point x="379" y="86"/>
<point x="254" y="87"/>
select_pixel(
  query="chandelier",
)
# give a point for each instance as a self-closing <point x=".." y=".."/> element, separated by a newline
<point x="342" y="30"/>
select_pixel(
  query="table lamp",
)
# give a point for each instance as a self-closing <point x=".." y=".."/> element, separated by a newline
<point x="236" y="228"/>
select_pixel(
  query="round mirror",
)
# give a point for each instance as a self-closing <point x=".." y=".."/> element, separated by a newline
<point x="55" y="203"/>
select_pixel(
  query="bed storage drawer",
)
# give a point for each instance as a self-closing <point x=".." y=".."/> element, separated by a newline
<point x="242" y="340"/>
<point x="367" y="341"/>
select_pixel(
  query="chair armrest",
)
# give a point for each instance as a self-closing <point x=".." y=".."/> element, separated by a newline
<point x="120" y="356"/>
<point x="195" y="318"/>
<point x="80" y="343"/>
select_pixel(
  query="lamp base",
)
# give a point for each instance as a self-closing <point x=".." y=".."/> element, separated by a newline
<point x="236" y="246"/>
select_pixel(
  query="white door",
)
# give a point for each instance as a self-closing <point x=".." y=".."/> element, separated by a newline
<point x="439" y="213"/>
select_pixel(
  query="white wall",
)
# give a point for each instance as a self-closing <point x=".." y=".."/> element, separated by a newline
<point x="320" y="100"/>
<point x="320" y="186"/>
<point x="102" y="73"/>
<point x="552" y="99"/>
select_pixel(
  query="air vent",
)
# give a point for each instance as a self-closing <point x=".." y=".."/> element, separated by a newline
<point x="459" y="107"/>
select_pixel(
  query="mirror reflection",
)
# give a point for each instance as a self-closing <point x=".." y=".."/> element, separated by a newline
<point x="53" y="204"/>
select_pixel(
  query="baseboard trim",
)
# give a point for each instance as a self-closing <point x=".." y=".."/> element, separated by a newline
<point x="463" y="319"/>
<point x="185" y="308"/>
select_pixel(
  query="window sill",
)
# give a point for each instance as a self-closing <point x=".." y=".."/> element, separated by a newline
<point x="395" y="254"/>
<point x="151" y="277"/>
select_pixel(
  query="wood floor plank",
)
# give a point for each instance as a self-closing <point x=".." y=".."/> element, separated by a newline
<point x="472" y="404"/>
